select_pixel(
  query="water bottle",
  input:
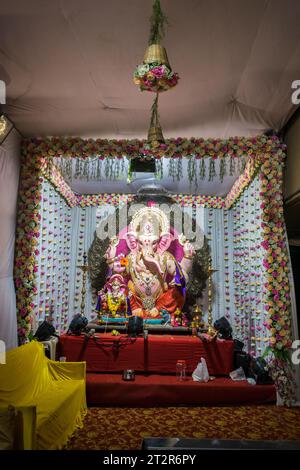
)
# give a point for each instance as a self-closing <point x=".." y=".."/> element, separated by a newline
<point x="180" y="370"/>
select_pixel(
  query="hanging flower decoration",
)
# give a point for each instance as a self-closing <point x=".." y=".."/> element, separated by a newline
<point x="155" y="77"/>
<point x="155" y="73"/>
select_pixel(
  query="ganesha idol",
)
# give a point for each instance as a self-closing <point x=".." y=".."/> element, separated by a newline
<point x="155" y="277"/>
<point x="113" y="298"/>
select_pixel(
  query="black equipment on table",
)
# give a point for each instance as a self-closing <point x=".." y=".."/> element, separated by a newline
<point x="135" y="326"/>
<point x="77" y="325"/>
<point x="44" y="331"/>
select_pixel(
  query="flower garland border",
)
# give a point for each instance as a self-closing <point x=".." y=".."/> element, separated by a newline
<point x="77" y="147"/>
<point x="184" y="200"/>
<point x="277" y="287"/>
<point x="27" y="235"/>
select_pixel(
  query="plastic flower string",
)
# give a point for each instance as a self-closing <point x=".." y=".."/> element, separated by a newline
<point x="248" y="273"/>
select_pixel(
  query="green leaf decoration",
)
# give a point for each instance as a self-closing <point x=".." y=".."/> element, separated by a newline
<point x="212" y="170"/>
<point x="222" y="169"/>
<point x="232" y="166"/>
<point x="158" y="21"/>
<point x="202" y="169"/>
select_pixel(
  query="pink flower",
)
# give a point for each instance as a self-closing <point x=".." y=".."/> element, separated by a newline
<point x="158" y="71"/>
<point x="266" y="264"/>
<point x="265" y="245"/>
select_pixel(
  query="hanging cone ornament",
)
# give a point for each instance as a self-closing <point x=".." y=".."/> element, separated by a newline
<point x="155" y="73"/>
<point x="156" y="54"/>
<point x="155" y="135"/>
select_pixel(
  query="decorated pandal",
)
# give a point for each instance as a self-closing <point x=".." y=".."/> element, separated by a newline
<point x="77" y="254"/>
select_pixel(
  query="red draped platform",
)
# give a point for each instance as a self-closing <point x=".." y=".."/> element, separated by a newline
<point x="165" y="390"/>
<point x="156" y="355"/>
<point x="154" y="361"/>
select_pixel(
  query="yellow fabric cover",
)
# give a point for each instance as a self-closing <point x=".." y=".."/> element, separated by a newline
<point x="56" y="389"/>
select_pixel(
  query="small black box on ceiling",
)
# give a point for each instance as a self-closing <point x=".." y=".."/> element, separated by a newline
<point x="141" y="165"/>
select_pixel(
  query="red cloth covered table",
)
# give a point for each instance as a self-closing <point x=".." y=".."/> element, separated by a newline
<point x="158" y="354"/>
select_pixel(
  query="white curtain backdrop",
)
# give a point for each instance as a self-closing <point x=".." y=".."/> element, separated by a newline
<point x="9" y="179"/>
<point x="84" y="223"/>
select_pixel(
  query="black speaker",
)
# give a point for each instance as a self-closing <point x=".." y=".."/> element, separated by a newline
<point x="44" y="331"/>
<point x="135" y="326"/>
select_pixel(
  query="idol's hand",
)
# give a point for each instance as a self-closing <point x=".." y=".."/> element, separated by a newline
<point x="118" y="268"/>
<point x="154" y="312"/>
<point x="188" y="250"/>
<point x="112" y="249"/>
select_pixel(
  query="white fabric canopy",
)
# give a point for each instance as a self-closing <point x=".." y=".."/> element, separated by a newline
<point x="9" y="177"/>
<point x="68" y="66"/>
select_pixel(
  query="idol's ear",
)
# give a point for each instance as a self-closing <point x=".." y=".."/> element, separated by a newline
<point x="131" y="241"/>
<point x="164" y="242"/>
